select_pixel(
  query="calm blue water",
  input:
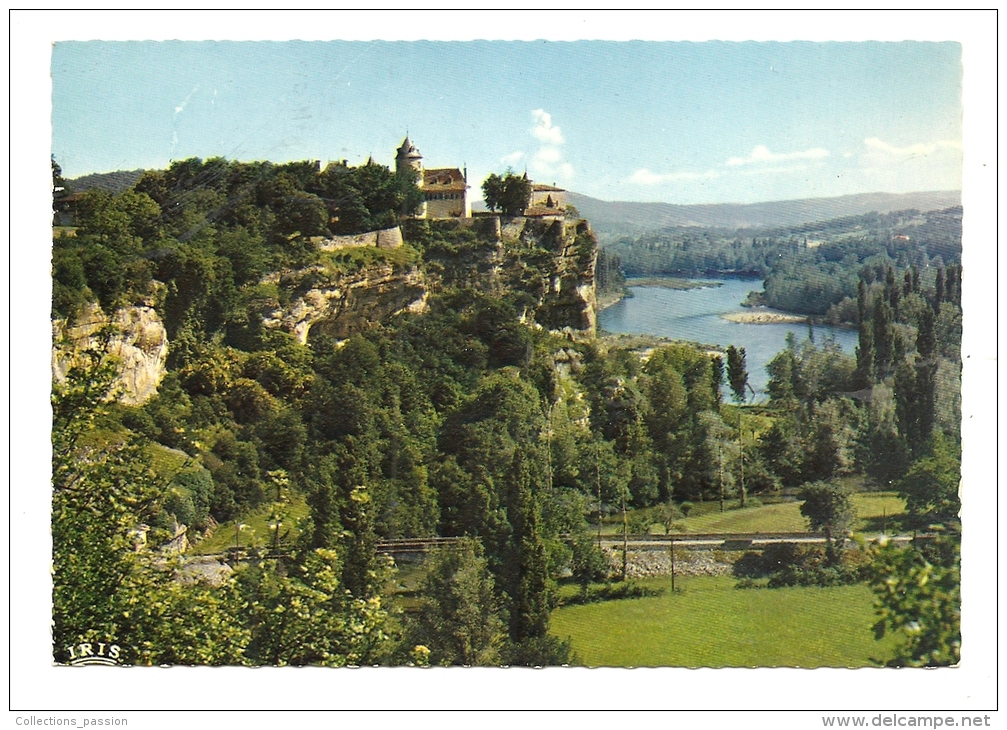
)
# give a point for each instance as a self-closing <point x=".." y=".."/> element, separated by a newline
<point x="694" y="315"/>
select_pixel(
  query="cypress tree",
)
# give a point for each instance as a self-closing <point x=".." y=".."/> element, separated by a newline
<point x="906" y="417"/>
<point x="926" y="341"/>
<point x="717" y="376"/>
<point x="952" y="285"/>
<point x="916" y="277"/>
<point x="526" y="572"/>
<point x="939" y="289"/>
<point x="737" y="375"/>
<point x="892" y="292"/>
<point x="926" y="387"/>
<point x="907" y="283"/>
<point x="865" y="348"/>
<point x="883" y="337"/>
<point x="865" y="355"/>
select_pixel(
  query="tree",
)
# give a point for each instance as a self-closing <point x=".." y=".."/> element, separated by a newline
<point x="919" y="600"/>
<point x="492" y="191"/>
<point x="106" y="585"/>
<point x="884" y="337"/>
<point x="459" y="616"/>
<point x="930" y="487"/>
<point x="865" y="345"/>
<point x="305" y="616"/>
<point x="717" y="376"/>
<point x="737" y="374"/>
<point x="510" y="193"/>
<point x="827" y="507"/>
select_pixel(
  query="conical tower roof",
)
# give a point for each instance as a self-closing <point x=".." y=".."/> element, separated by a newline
<point x="408" y="150"/>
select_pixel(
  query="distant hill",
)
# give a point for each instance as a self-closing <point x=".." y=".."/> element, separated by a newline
<point x="611" y="219"/>
<point x="114" y="182"/>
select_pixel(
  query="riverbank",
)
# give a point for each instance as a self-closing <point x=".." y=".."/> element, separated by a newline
<point x="607" y="299"/>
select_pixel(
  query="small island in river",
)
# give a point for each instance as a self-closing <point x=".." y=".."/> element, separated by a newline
<point x="764" y="316"/>
<point x="671" y="282"/>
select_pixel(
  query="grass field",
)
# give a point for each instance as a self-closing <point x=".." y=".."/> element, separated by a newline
<point x="256" y="531"/>
<point x="710" y="623"/>
<point x="875" y="511"/>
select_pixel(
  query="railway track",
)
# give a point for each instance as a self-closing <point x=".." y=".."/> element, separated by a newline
<point x="725" y="540"/>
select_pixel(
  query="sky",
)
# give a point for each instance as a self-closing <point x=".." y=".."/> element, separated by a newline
<point x="676" y="122"/>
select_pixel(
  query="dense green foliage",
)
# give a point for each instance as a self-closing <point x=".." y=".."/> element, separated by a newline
<point x="209" y="230"/>
<point x="609" y="277"/>
<point x="465" y="421"/>
<point x="459" y="620"/>
<point x="918" y="599"/>
<point x="812" y="268"/>
<point x="510" y="193"/>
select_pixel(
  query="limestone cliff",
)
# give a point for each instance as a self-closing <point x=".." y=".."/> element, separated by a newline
<point x="135" y="337"/>
<point x="551" y="259"/>
<point x="339" y="305"/>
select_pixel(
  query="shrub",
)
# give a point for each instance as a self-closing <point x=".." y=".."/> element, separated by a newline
<point x="748" y="566"/>
<point x="789" y="564"/>
<point x="615" y="592"/>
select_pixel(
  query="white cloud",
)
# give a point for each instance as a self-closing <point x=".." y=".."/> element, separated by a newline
<point x="547" y="156"/>
<point x="544" y="131"/>
<point x="512" y="159"/>
<point x="643" y="176"/>
<point x="921" y="149"/>
<point x="547" y="162"/>
<point x="932" y="165"/>
<point x="762" y="155"/>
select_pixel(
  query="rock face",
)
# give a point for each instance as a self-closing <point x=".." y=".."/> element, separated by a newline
<point x="347" y="303"/>
<point x="137" y="339"/>
<point x="508" y="258"/>
<point x="551" y="259"/>
<point x="570" y="302"/>
<point x="387" y="238"/>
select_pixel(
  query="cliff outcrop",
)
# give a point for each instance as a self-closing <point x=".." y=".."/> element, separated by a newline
<point x="339" y="305"/>
<point x="551" y="259"/>
<point x="134" y="336"/>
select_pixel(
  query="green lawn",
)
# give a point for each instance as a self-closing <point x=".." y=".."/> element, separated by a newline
<point x="710" y="623"/>
<point x="256" y="531"/>
<point x="874" y="511"/>
<point x="785" y="517"/>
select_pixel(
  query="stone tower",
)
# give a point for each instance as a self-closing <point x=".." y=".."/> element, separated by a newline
<point x="408" y="157"/>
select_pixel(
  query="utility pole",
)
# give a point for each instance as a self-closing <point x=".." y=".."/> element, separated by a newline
<point x="548" y="444"/>
<point x="597" y="483"/>
<point x="720" y="456"/>
<point x="672" y="543"/>
<point x="741" y="444"/>
<point x="625" y="536"/>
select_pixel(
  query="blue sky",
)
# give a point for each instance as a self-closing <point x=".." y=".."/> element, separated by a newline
<point x="678" y="122"/>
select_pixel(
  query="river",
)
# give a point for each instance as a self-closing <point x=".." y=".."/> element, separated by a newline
<point x="695" y="315"/>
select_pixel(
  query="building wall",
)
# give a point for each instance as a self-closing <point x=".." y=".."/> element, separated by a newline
<point x="539" y="198"/>
<point x="452" y="204"/>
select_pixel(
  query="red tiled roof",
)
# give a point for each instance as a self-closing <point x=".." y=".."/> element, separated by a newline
<point x="438" y="174"/>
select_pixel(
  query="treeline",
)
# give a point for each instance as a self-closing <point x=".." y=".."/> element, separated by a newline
<point x="208" y="228"/>
<point x="810" y="269"/>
